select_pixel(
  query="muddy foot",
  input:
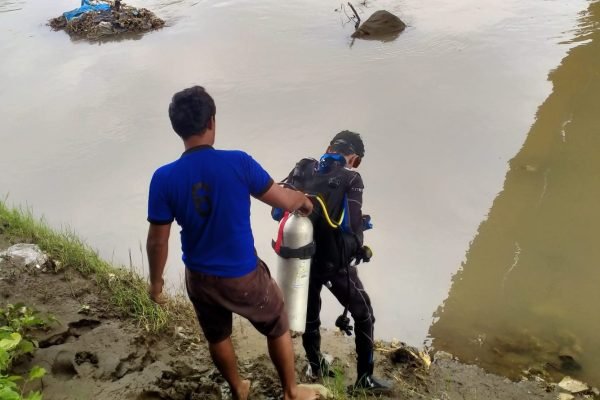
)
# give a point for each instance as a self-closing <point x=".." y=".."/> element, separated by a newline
<point x="243" y="391"/>
<point x="303" y="393"/>
<point x="323" y="392"/>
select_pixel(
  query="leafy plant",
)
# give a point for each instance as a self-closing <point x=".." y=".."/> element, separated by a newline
<point x="15" y="322"/>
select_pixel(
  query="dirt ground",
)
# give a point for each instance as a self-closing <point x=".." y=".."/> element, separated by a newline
<point x="91" y="353"/>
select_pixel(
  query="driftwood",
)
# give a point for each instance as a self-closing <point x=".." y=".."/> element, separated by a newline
<point x="356" y="15"/>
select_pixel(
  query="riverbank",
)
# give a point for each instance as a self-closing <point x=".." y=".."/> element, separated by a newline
<point x="111" y="342"/>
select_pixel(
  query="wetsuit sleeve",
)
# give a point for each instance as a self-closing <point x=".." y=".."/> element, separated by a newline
<point x="257" y="179"/>
<point x="355" y="199"/>
<point x="159" y="212"/>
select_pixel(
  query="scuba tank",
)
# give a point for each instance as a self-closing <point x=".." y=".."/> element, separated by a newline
<point x="294" y="247"/>
<point x="326" y="184"/>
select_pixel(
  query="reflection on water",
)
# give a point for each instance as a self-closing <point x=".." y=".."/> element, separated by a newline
<point x="527" y="294"/>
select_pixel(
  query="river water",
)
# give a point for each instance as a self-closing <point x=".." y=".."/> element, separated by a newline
<point x="443" y="109"/>
<point x="527" y="294"/>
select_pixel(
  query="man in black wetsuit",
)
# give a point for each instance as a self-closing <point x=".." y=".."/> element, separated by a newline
<point x="338" y="233"/>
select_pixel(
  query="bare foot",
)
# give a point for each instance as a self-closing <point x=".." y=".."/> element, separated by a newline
<point x="242" y="392"/>
<point x="303" y="393"/>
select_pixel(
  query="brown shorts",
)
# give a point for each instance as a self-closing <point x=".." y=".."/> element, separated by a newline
<point x="255" y="296"/>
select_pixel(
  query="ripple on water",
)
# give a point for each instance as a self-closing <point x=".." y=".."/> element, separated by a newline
<point x="9" y="6"/>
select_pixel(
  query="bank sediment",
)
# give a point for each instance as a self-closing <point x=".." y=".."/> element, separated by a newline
<point x="112" y="342"/>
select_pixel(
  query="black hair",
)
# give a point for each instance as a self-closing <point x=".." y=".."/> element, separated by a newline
<point x="190" y="111"/>
<point x="347" y="143"/>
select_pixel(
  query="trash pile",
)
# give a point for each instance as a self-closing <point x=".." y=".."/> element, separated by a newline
<point x="96" y="20"/>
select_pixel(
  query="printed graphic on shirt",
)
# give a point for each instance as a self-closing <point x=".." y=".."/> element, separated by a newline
<point x="202" y="201"/>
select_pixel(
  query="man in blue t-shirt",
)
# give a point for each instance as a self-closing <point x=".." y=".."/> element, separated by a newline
<point x="207" y="191"/>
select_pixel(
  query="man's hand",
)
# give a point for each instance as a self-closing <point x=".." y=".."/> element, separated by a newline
<point x="287" y="199"/>
<point x="306" y="208"/>
<point x="155" y="292"/>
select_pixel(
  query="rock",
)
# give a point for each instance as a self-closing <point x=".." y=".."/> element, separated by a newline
<point x="568" y="363"/>
<point x="29" y="254"/>
<point x="565" y="396"/>
<point x="573" y="386"/>
<point x="381" y="24"/>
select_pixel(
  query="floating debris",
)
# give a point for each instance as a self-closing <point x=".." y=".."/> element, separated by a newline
<point x="100" y="20"/>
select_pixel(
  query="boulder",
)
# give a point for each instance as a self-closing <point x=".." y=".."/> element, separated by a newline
<point x="29" y="255"/>
<point x="573" y="386"/>
<point x="380" y="25"/>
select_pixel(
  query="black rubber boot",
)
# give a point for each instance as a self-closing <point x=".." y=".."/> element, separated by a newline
<point x="364" y="349"/>
<point x="324" y="370"/>
<point x="365" y="380"/>
<point x="319" y="367"/>
<point x="312" y="346"/>
<point x="370" y="384"/>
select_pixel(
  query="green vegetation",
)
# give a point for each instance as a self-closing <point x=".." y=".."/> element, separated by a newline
<point x="15" y="322"/>
<point x="337" y="385"/>
<point x="126" y="290"/>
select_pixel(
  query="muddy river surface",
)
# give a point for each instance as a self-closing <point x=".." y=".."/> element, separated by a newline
<point x="481" y="171"/>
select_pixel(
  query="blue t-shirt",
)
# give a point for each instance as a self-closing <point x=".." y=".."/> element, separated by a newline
<point x="207" y="192"/>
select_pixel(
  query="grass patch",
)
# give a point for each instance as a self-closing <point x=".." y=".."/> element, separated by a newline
<point x="125" y="289"/>
<point x="340" y="389"/>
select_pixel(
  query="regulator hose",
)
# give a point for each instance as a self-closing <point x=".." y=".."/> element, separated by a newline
<point x="331" y="223"/>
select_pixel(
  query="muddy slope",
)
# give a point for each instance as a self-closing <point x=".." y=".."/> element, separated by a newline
<point x="92" y="353"/>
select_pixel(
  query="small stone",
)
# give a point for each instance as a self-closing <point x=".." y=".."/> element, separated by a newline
<point x="179" y="332"/>
<point x="57" y="265"/>
<point x="573" y="386"/>
<point x="595" y="391"/>
<point x="328" y="358"/>
<point x="442" y="355"/>
<point x="85" y="309"/>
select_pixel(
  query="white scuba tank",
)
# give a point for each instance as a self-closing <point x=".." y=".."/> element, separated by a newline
<point x="294" y="247"/>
